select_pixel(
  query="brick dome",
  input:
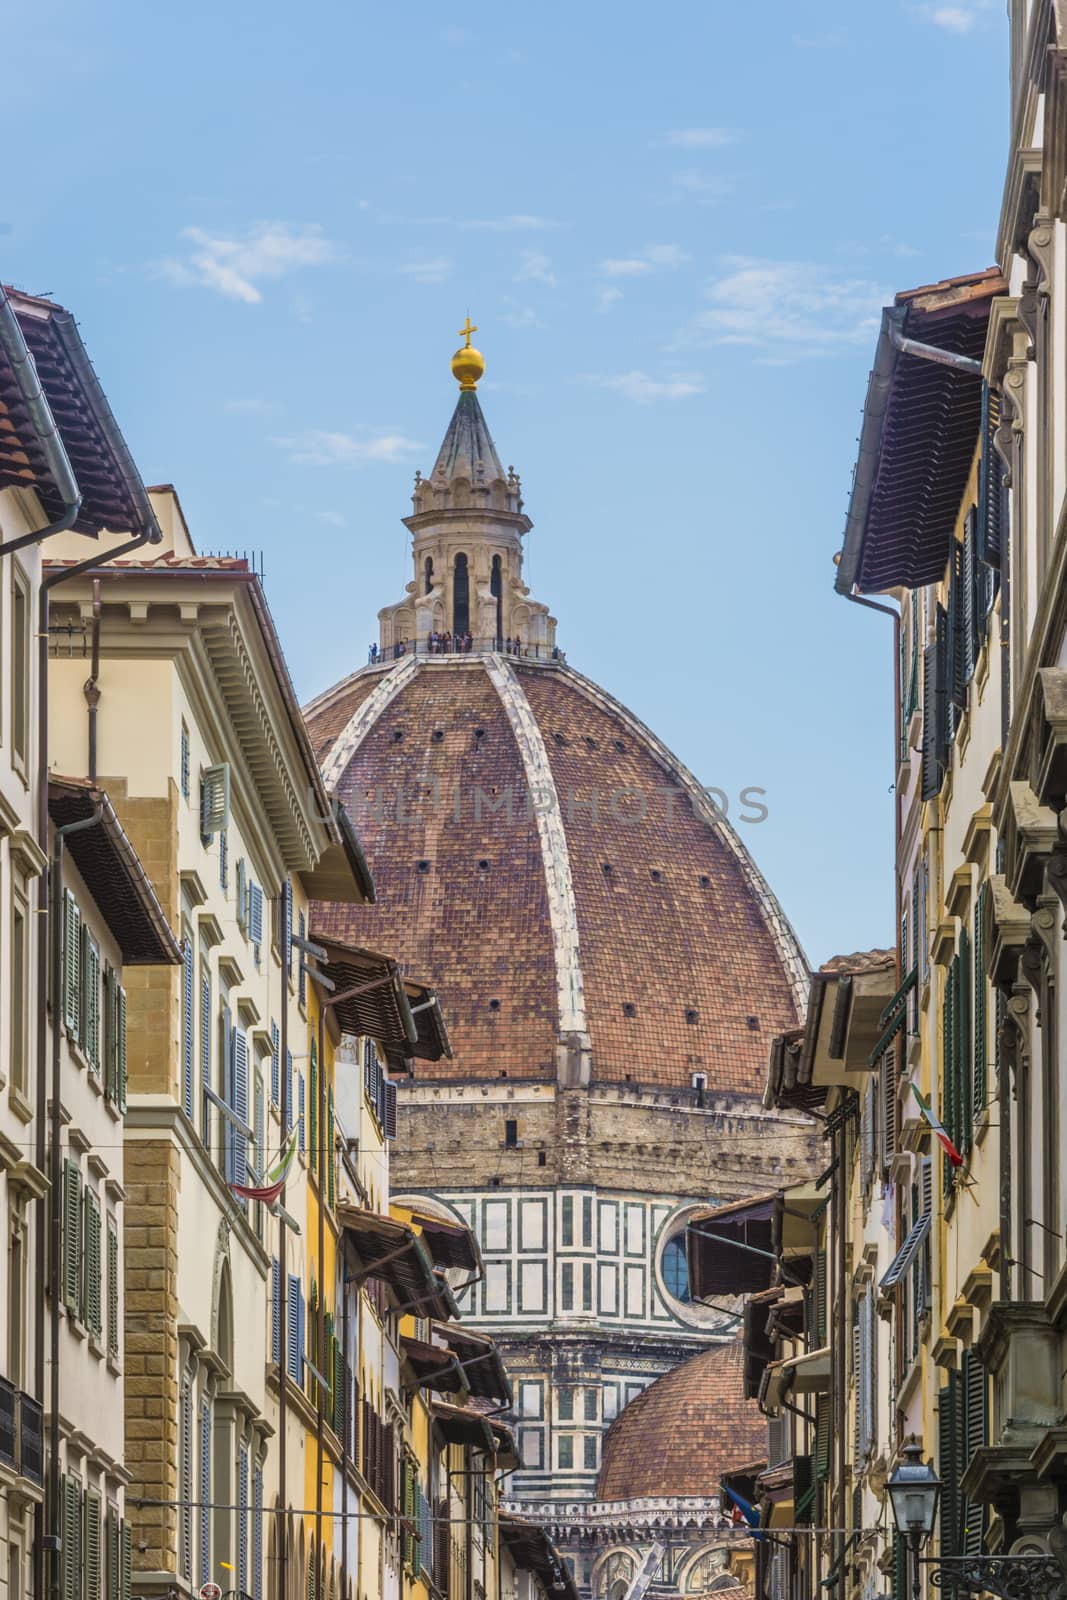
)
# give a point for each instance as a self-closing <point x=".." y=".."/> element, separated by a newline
<point x="683" y="1432"/>
<point x="540" y="857"/>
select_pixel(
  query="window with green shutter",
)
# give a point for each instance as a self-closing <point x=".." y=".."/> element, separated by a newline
<point x="72" y="1216"/>
<point x="330" y="1153"/>
<point x="313" y="1152"/>
<point x="980" y="1074"/>
<point x="70" y="1493"/>
<point x="949" y="1428"/>
<point x="93" y="1563"/>
<point x="126" y="1557"/>
<point x="113" y="1338"/>
<point x="823" y="1432"/>
<point x="974" y="1432"/>
<point x="72" y="947"/>
<point x="93" y="1311"/>
<point x="90" y="1000"/>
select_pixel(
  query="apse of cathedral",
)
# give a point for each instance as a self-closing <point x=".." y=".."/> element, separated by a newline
<point x="612" y="967"/>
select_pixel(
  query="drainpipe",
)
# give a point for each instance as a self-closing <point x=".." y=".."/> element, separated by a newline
<point x="48" y="583"/>
<point x="932" y="352"/>
<point x="92" y="683"/>
<point x="55" y="1274"/>
<point x="320" y="1114"/>
<point x="13" y="344"/>
<point x="283" y="1278"/>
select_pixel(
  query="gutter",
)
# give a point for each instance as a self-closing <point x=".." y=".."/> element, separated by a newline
<point x="14" y="346"/>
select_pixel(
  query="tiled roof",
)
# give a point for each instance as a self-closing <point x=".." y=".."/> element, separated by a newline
<point x="680" y="950"/>
<point x="860" y="961"/>
<point x="683" y="1432"/>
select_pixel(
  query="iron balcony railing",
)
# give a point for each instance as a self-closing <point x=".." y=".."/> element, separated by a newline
<point x="464" y="646"/>
<point x="21" y="1432"/>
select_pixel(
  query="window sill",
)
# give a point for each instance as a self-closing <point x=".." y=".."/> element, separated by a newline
<point x="20" y="1105"/>
<point x="95" y="1347"/>
<point x="76" y="1327"/>
<point x="113" y="1366"/>
<point x="982" y="1126"/>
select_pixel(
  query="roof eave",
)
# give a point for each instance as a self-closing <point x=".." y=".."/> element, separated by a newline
<point x="865" y="475"/>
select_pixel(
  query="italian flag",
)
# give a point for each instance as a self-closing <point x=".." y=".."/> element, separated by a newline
<point x="269" y="1190"/>
<point x="946" y="1143"/>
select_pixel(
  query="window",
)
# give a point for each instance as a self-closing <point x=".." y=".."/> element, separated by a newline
<point x="511" y="1133"/>
<point x="72" y="953"/>
<point x="567" y="1220"/>
<point x="590" y="1405"/>
<point x="587" y="1221"/>
<point x="185" y="1480"/>
<point x="302" y="982"/>
<point x="587" y="1286"/>
<point x="565" y="1451"/>
<point x="205" y="1052"/>
<point x="92" y="1309"/>
<point x="566" y="1286"/>
<point x="90" y="1000"/>
<point x="16" y="1298"/>
<point x="565" y="1405"/>
<point x="214" y="800"/>
<point x="275" y="1065"/>
<point x="675" y="1269"/>
<point x="294" y="1332"/>
<point x="204" y="1491"/>
<point x="184" y="760"/>
<point x="224" y="860"/>
<point x="113" y="1305"/>
<point x="114" y="1039"/>
<point x="19" y="978"/>
<point x="72" y="1217"/>
<point x="590" y="1443"/>
<point x="188" y="1037"/>
<point x="20" y="668"/>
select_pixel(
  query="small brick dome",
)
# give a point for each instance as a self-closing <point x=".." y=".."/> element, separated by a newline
<point x="557" y="874"/>
<point x="683" y="1432"/>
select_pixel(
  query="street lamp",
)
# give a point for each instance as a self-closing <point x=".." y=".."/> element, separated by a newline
<point x="914" y="1491"/>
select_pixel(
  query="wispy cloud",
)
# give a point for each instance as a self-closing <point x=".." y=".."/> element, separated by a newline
<point x="698" y="138"/>
<point x="703" y="186"/>
<point x="642" y="389"/>
<point x="535" y="267"/>
<point x="609" y="296"/>
<point x="962" y="17"/>
<point x="320" y="447"/>
<point x="786" y="310"/>
<point x="431" y="269"/>
<point x="647" y="260"/>
<point x="235" y="265"/>
<point x="334" y="518"/>
<point x="520" y="316"/>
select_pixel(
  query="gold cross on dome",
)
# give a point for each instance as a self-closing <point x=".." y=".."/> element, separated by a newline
<point x="468" y="328"/>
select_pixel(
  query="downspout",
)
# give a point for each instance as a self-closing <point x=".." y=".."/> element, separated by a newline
<point x="283" y="1277"/>
<point x="92" y="683"/>
<point x="346" y="1432"/>
<point x="48" y="583"/>
<point x="321" y="1168"/>
<point x="932" y="352"/>
<point x="56" y="1120"/>
<point x="24" y="368"/>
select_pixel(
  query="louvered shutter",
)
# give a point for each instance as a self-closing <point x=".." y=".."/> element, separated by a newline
<point x="259" y="1159"/>
<point x="70" y="1534"/>
<point x="71" y="965"/>
<point x="240" y="1103"/>
<point x="185" y="1480"/>
<point x="340" y="1393"/>
<point x="964" y="1047"/>
<point x="990" y="484"/>
<point x="887" y="1109"/>
<point x="302" y="980"/>
<point x="931" y="746"/>
<point x="818" y="1293"/>
<point x="255" y="914"/>
<point x="127" y="1561"/>
<point x="857" y="1366"/>
<point x="301" y="1346"/>
<point x="287" y="931"/>
<point x="979" y="1075"/>
<point x="187" y="1027"/>
<point x="275" y="1311"/>
<point x="290" y="1105"/>
<point x="275" y="1065"/>
<point x="113" y="1340"/>
<point x="93" y="1310"/>
<point x="114" y="1554"/>
<point x="957" y="637"/>
<point x="313" y="1152"/>
<point x="110" y="1033"/>
<point x="331" y="1155"/>
<point x="72" y="1202"/>
<point x="968" y="602"/>
<point x="242" y="1518"/>
<point x="224" y="860"/>
<point x="93" y="1564"/>
<point x="242" y="894"/>
<point x="257" y="1534"/>
<point x="91" y="1004"/>
<point x="975" y="1435"/>
<point x="900" y="1567"/>
<point x="823" y="1429"/>
<point x="300" y="1109"/>
<point x="120" y="996"/>
<point x="205" y="1028"/>
<point x="389" y="1109"/>
<point x="948" y="1065"/>
<point x="926" y="1187"/>
<point x="214" y="799"/>
<point x="948" y="1468"/>
<point x="292" y="1327"/>
<point x="204" y="1494"/>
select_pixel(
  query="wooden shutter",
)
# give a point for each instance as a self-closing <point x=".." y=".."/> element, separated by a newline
<point x="300" y="1109"/>
<point x="255" y="913"/>
<point x="113" y="1338"/>
<point x="933" y="691"/>
<point x="818" y="1293"/>
<point x="302" y="982"/>
<point x="969" y="602"/>
<point x="990" y="484"/>
<point x="887" y="1107"/>
<point x="948" y="1065"/>
<point x="114" y="1554"/>
<point x="204" y="1491"/>
<point x="287" y="930"/>
<point x="958" y="594"/>
<point x="214" y="799"/>
<point x="187" y="1026"/>
<point x="975" y="1434"/>
<point x="93" y="1311"/>
<point x="224" y="860"/>
<point x="257" y="1534"/>
<point x="979" y="1074"/>
<point x="823" y="1432"/>
<point x="340" y="1391"/>
<point x="72" y="1204"/>
<point x="330" y="1156"/>
<point x="275" y="1065"/>
<point x="242" y="1518"/>
<point x="389" y="1109"/>
<point x="259" y="1159"/>
<point x="205" y="1027"/>
<point x="275" y="1311"/>
<point x="313" y="1153"/>
<point x="185" y="1480"/>
<point x="290" y="1107"/>
<point x="70" y="1534"/>
<point x="857" y="1367"/>
<point x="91" y="1003"/>
<point x="120" y="1017"/>
<point x="72" y="920"/>
<point x="126" y="1548"/>
<point x="242" y="894"/>
<point x="93" y="1563"/>
<point x="965" y="1046"/>
<point x="948" y="1467"/>
<point x="240" y="1102"/>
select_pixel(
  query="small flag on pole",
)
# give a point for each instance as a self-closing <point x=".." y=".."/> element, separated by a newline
<point x="742" y="1510"/>
<point x="946" y="1143"/>
<point x="269" y="1191"/>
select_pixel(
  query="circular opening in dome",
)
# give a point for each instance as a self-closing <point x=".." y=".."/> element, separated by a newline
<point x="691" y="1015"/>
<point x="620" y="746"/>
<point x="589" y="742"/>
<point x="704" y="881"/>
<point x="483" y="865"/>
<point x="605" y="867"/>
<point x="398" y="734"/>
<point x="560" y="738"/>
<point x="655" y="874"/>
<point x="479" y="733"/>
<point x="422" y="866"/>
<point x="629" y="1009"/>
<point x="438" y="735"/>
<point x="675" y="1269"/>
<point x="494" y="1005"/>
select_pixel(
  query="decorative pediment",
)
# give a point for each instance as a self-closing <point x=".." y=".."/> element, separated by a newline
<point x="1029" y="833"/>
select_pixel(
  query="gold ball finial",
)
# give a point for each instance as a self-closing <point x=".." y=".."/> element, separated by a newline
<point x="468" y="364"/>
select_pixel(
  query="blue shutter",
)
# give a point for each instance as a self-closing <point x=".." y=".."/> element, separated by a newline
<point x="303" y="984"/>
<point x="275" y="1065"/>
<point x="294" y="1328"/>
<point x="240" y="1102"/>
<point x="290" y="1105"/>
<point x="287" y="931"/>
<point x="275" y="1311"/>
<point x="230" y="1132"/>
<point x="257" y="1534"/>
<point x="205" y="1492"/>
<point x="187" y="1027"/>
<point x="255" y="913"/>
<point x="259" y="1158"/>
<point x="242" y="1519"/>
<point x="300" y="1112"/>
<point x="299" y="1360"/>
<point x="242" y="895"/>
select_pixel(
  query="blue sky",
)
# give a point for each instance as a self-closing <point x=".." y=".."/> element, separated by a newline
<point x="674" y="227"/>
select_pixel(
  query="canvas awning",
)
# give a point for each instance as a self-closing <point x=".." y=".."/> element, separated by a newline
<point x="393" y="1253"/>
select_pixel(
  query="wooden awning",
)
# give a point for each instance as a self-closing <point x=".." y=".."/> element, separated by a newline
<point x="729" y="1249"/>
<point x="482" y="1363"/>
<point x="450" y="1244"/>
<point x="533" y="1551"/>
<point x="433" y="1367"/>
<point x="393" y="1253"/>
<point x="371" y="997"/>
<point x="462" y="1426"/>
